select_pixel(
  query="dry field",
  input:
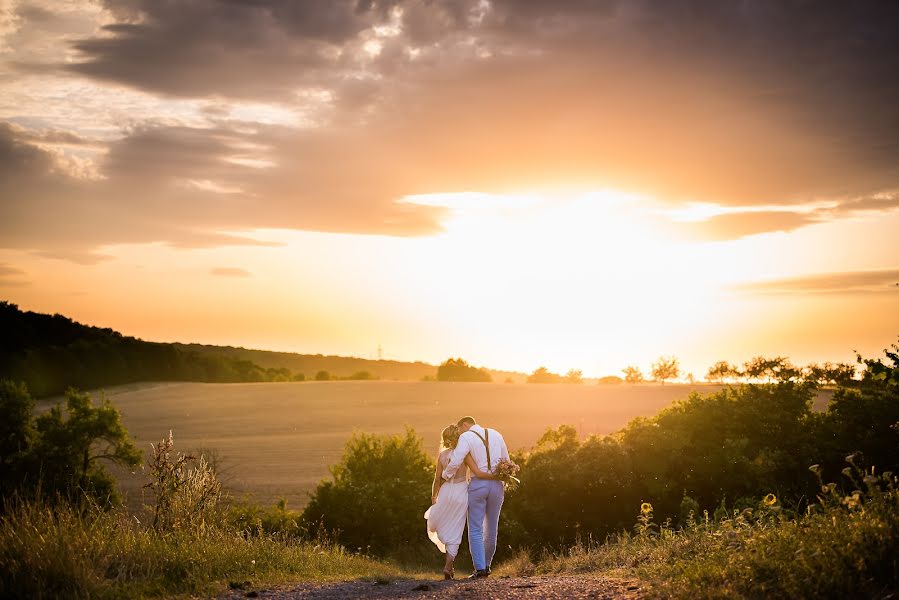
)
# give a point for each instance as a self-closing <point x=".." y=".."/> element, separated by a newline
<point x="278" y="439"/>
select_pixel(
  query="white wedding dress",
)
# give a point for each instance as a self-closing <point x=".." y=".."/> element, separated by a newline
<point x="446" y="518"/>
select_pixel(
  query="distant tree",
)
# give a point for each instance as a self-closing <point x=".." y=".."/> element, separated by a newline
<point x="841" y="374"/>
<point x="361" y="376"/>
<point x="574" y="376"/>
<point x="456" y="369"/>
<point x="665" y="368"/>
<point x="299" y="377"/>
<point x="544" y="375"/>
<point x="770" y="369"/>
<point x="323" y="376"/>
<point x="721" y="371"/>
<point x="610" y="380"/>
<point x="690" y="378"/>
<point x="633" y="374"/>
<point x="509" y="380"/>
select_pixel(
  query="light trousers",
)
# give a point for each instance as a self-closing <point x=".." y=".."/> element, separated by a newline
<point x="485" y="499"/>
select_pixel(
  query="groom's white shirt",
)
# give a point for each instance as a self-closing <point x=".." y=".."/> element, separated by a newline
<point x="471" y="443"/>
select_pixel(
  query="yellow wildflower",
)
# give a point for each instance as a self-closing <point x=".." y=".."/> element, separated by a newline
<point x="770" y="500"/>
<point x="646" y="508"/>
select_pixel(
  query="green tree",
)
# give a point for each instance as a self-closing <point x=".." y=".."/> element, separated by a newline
<point x="73" y="443"/>
<point x="323" y="376"/>
<point x="376" y="495"/>
<point x="632" y="374"/>
<point x="456" y="369"/>
<point x="17" y="434"/>
<point x="665" y="368"/>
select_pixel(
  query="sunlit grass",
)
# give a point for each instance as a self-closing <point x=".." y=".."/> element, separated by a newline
<point x="61" y="551"/>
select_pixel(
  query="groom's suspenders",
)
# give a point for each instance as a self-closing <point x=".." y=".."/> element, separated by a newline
<point x="485" y="438"/>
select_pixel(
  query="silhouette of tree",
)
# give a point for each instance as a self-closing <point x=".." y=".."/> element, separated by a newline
<point x="721" y="371"/>
<point x="544" y="375"/>
<point x="574" y="376"/>
<point x="456" y="369"/>
<point x="665" y="368"/>
<point x="633" y="374"/>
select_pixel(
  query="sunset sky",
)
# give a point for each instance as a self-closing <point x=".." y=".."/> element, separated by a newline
<point x="566" y="183"/>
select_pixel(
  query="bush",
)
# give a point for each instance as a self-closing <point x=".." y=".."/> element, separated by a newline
<point x="377" y="495"/>
<point x="456" y="369"/>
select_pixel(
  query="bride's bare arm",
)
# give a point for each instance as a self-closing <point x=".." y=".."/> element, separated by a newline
<point x="472" y="465"/>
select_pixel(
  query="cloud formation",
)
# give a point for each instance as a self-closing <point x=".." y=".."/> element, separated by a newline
<point x="743" y="105"/>
<point x="853" y="282"/>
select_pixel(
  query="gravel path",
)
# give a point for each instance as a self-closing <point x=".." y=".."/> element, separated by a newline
<point x="499" y="588"/>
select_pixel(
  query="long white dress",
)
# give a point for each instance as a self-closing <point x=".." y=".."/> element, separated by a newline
<point x="446" y="518"/>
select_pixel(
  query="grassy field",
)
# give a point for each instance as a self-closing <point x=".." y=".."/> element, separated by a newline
<point x="278" y="439"/>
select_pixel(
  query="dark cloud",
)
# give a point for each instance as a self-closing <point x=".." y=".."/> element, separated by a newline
<point x="180" y="186"/>
<point x="258" y="49"/>
<point x="855" y="282"/>
<point x="737" y="103"/>
<point x="230" y="272"/>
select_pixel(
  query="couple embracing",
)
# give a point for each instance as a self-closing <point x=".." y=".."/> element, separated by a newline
<point x="468" y="448"/>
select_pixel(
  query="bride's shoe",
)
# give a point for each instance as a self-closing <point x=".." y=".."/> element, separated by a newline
<point x="448" y="574"/>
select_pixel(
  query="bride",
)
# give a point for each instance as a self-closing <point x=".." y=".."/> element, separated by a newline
<point x="449" y="499"/>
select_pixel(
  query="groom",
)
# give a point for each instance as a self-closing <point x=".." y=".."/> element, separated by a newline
<point x="485" y="496"/>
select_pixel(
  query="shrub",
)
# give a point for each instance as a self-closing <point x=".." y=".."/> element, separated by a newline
<point x="377" y="495"/>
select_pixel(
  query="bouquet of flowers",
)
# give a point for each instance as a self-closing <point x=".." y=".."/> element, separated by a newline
<point x="505" y="471"/>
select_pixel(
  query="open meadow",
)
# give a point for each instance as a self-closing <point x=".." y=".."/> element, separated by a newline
<point x="278" y="439"/>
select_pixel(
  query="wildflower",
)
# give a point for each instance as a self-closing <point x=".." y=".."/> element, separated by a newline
<point x="816" y="469"/>
<point x="853" y="500"/>
<point x="870" y="479"/>
<point x="850" y="458"/>
<point x="847" y="472"/>
<point x="646" y="508"/>
<point x="770" y="500"/>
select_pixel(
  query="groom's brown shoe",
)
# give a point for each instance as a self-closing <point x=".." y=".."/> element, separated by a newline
<point x="479" y="574"/>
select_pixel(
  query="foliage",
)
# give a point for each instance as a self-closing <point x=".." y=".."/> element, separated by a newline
<point x="740" y="442"/>
<point x="574" y="376"/>
<point x="377" y="495"/>
<point x="51" y="353"/>
<point x="610" y="380"/>
<point x="323" y="376"/>
<point x="185" y="488"/>
<point x="844" y="546"/>
<point x="544" y="375"/>
<point x="723" y="371"/>
<point x="63" y="551"/>
<point x="633" y="374"/>
<point x="665" y="368"/>
<point x="456" y="369"/>
<point x="60" y="451"/>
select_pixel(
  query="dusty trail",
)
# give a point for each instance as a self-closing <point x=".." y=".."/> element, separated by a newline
<point x="503" y="588"/>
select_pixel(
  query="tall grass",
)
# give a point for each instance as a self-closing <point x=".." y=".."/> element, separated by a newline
<point x="845" y="546"/>
<point x="61" y="551"/>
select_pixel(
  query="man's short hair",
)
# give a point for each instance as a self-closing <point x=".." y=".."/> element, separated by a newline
<point x="466" y="421"/>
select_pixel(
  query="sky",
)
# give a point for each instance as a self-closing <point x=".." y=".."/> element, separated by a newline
<point x="570" y="183"/>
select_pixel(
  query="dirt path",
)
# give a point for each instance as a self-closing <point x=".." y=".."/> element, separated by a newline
<point x="494" y="588"/>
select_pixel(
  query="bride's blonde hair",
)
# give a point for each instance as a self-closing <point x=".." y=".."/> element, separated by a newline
<point x="449" y="437"/>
